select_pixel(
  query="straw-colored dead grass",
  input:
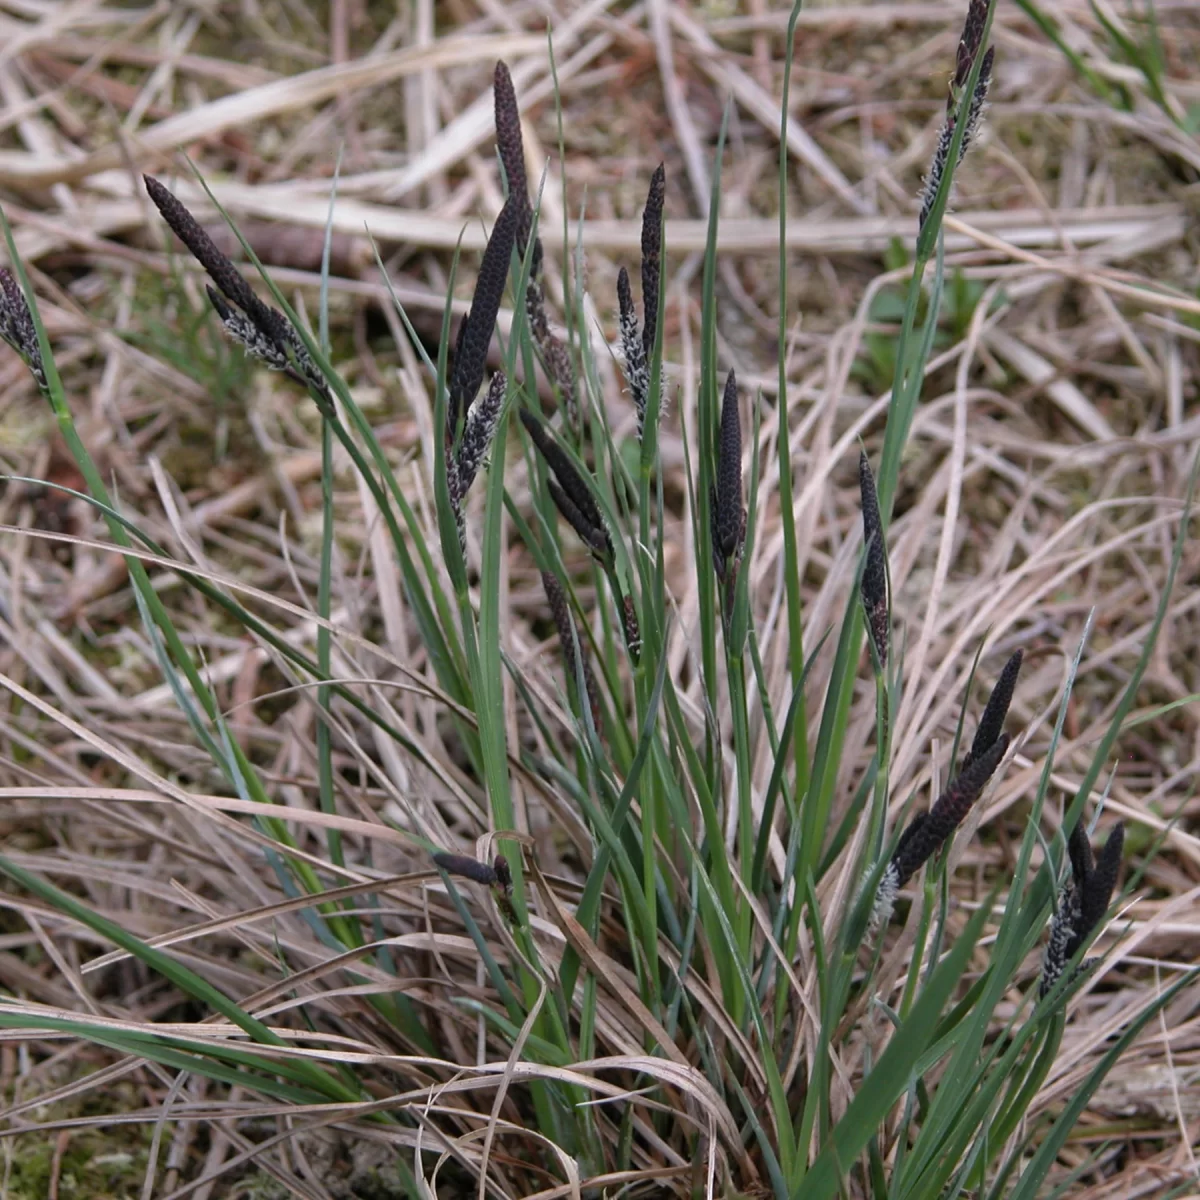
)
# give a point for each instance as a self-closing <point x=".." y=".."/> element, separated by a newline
<point x="1044" y="480"/>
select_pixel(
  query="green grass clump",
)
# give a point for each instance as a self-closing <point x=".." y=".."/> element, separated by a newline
<point x="711" y="996"/>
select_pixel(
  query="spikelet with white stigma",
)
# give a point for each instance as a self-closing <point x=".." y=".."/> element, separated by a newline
<point x="633" y="352"/>
<point x="17" y="327"/>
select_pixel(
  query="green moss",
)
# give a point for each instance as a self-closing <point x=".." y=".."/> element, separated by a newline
<point x="104" y="1163"/>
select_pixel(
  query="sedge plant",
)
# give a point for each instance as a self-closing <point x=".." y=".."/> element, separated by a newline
<point x="695" y="996"/>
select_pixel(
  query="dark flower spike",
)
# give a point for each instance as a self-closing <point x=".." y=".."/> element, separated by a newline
<point x="873" y="586"/>
<point x="569" y="490"/>
<point x="477" y="438"/>
<point x="472" y="449"/>
<point x="1079" y="851"/>
<point x="637" y="346"/>
<point x="470" y="363"/>
<point x="928" y="832"/>
<point x="948" y="813"/>
<point x="568" y="639"/>
<point x="270" y="323"/>
<point x="978" y="99"/>
<point x="728" y="515"/>
<point x="968" y="50"/>
<point x="633" y="631"/>
<point x="554" y="354"/>
<point x="991" y="724"/>
<point x="971" y="40"/>
<point x="1083" y="901"/>
<point x="468" y="868"/>
<point x="243" y="330"/>
<point x="1102" y="882"/>
<point x="636" y="371"/>
<point x="512" y="149"/>
<point x="594" y="537"/>
<point x="652" y="223"/>
<point x="17" y="327"/>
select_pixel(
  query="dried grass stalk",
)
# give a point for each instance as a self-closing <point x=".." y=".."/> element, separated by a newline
<point x="570" y="643"/>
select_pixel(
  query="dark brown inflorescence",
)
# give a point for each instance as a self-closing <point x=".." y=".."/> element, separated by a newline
<point x="570" y="643"/>
<point x="928" y="832"/>
<point x="968" y="51"/>
<point x="971" y="40"/>
<point x="652" y="223"/>
<point x="873" y="587"/>
<point x="728" y="515"/>
<point x="496" y="875"/>
<point x="17" y="327"/>
<point x="246" y="333"/>
<point x="637" y="373"/>
<point x="512" y="150"/>
<point x="468" y="868"/>
<point x="637" y="346"/>
<point x="264" y="331"/>
<point x="1083" y="900"/>
<point x="991" y="724"/>
<point x="464" y="464"/>
<point x="570" y="491"/>
<point x="503" y="872"/>
<point x="555" y="356"/>
<point x="631" y="627"/>
<point x="478" y="326"/>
